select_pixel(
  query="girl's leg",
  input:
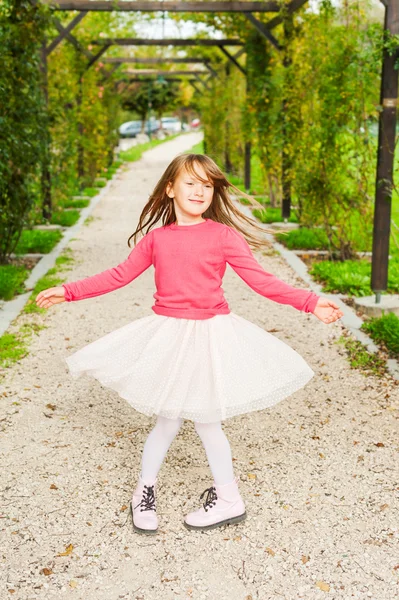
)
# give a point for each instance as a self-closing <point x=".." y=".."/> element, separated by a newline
<point x="156" y="446"/>
<point x="217" y="450"/>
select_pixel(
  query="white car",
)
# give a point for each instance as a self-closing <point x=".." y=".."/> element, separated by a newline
<point x="173" y="125"/>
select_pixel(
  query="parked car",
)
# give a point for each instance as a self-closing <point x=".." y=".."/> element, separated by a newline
<point x="195" y="123"/>
<point x="173" y="125"/>
<point x="131" y="128"/>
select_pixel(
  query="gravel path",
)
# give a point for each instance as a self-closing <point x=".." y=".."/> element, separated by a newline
<point x="318" y="471"/>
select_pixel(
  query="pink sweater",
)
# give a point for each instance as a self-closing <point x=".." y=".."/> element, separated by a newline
<point x="189" y="262"/>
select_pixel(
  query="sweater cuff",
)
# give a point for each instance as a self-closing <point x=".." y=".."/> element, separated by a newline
<point x="311" y="303"/>
<point x="67" y="294"/>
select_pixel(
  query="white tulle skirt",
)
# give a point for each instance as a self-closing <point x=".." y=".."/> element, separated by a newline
<point x="204" y="370"/>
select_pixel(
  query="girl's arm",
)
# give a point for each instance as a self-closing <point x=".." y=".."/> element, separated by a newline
<point x="139" y="259"/>
<point x="239" y="256"/>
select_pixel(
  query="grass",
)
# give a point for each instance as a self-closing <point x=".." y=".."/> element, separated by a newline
<point x="50" y="279"/>
<point x="305" y="239"/>
<point x="270" y="214"/>
<point x="361" y="359"/>
<point x="75" y="203"/>
<point x="89" y="191"/>
<point x="352" y="277"/>
<point x="384" y="330"/>
<point x="65" y="218"/>
<point x="37" y="241"/>
<point x="135" y="152"/>
<point x="12" y="279"/>
<point x="14" y="347"/>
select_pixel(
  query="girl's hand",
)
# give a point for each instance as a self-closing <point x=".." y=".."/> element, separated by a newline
<point x="327" y="311"/>
<point x="53" y="295"/>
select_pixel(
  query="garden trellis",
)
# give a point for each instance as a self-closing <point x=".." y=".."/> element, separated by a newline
<point x="388" y="102"/>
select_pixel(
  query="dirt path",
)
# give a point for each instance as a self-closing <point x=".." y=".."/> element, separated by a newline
<point x="318" y="471"/>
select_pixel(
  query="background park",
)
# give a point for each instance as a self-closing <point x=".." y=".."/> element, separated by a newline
<point x="288" y="98"/>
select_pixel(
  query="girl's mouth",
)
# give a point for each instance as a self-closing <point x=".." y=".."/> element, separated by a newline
<point x="198" y="201"/>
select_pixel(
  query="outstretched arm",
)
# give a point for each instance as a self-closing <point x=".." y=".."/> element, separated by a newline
<point x="239" y="256"/>
<point x="108" y="280"/>
<point x="139" y="259"/>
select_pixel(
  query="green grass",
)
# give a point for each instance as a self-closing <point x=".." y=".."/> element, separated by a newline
<point x="273" y="215"/>
<point x="352" y="277"/>
<point x="50" y="279"/>
<point x="361" y="359"/>
<point x="99" y="184"/>
<point x="14" y="347"/>
<point x="75" y="203"/>
<point x="304" y="239"/>
<point x="89" y="191"/>
<point x="66" y="219"/>
<point x="136" y="152"/>
<point x="384" y="330"/>
<point x="12" y="281"/>
<point x="37" y="241"/>
<point x="198" y="148"/>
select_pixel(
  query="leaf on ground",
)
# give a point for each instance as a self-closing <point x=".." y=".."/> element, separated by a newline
<point x="73" y="584"/>
<point x="68" y="550"/>
<point x="270" y="551"/>
<point x="323" y="586"/>
<point x="51" y="406"/>
<point x="53" y="487"/>
<point x="46" y="571"/>
<point x="251" y="476"/>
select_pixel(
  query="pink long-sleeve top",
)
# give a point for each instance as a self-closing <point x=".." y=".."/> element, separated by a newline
<point x="190" y="262"/>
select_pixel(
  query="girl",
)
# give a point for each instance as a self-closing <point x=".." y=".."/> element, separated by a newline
<point x="193" y="358"/>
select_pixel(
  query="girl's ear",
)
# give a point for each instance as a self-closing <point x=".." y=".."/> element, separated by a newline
<point x="168" y="190"/>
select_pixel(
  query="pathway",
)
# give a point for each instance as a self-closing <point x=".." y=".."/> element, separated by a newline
<point x="318" y="471"/>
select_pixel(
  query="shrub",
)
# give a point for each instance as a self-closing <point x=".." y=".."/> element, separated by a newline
<point x="384" y="329"/>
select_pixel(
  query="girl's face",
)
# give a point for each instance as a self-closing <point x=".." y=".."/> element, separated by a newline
<point x="191" y="196"/>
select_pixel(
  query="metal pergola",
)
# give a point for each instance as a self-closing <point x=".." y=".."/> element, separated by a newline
<point x="388" y="101"/>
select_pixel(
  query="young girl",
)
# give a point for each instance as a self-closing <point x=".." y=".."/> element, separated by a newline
<point x="193" y="358"/>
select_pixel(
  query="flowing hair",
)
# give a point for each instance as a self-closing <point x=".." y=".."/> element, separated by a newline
<point x="221" y="209"/>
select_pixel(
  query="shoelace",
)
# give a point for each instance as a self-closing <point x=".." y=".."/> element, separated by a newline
<point x="148" y="500"/>
<point x="211" y="497"/>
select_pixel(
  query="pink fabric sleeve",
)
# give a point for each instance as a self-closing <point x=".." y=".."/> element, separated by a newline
<point x="239" y="256"/>
<point x="139" y="259"/>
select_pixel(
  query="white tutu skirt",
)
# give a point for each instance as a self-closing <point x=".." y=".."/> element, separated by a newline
<point x="205" y="370"/>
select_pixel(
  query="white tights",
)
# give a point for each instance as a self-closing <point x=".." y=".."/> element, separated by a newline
<point x="215" y="442"/>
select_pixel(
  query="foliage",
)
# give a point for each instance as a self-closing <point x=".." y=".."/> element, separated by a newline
<point x="11" y="281"/>
<point x="334" y="97"/>
<point x="262" y="116"/>
<point x="37" y="241"/>
<point x="22" y="115"/>
<point x="141" y="97"/>
<point x="65" y="218"/>
<point x="221" y="111"/>
<point x="384" y="329"/>
<point x="352" y="277"/>
<point x="305" y="239"/>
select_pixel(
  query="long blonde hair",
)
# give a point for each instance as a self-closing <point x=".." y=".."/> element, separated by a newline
<point x="221" y="209"/>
